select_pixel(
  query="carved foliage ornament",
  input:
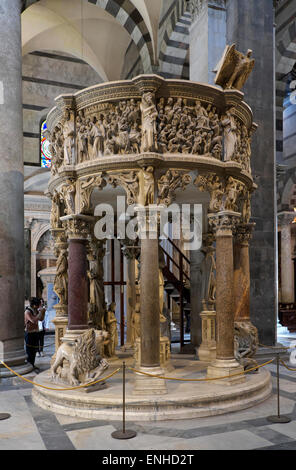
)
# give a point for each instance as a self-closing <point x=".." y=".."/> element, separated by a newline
<point x="86" y="188"/>
<point x="169" y="183"/>
<point x="129" y="181"/>
<point x="226" y="193"/>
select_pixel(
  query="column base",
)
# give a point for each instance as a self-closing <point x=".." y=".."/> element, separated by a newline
<point x="206" y="353"/>
<point x="226" y="368"/>
<point x="146" y="385"/>
<point x="71" y="335"/>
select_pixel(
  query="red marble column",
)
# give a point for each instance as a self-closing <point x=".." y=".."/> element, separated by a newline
<point x="241" y="282"/>
<point x="77" y="285"/>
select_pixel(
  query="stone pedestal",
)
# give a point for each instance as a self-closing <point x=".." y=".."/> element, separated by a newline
<point x="207" y="350"/>
<point x="223" y="225"/>
<point x="287" y="268"/>
<point x="164" y="357"/>
<point x="11" y="191"/>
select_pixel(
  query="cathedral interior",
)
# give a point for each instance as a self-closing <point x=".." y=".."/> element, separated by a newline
<point x="148" y="108"/>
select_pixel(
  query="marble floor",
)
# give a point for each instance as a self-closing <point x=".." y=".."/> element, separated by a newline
<point x="32" y="428"/>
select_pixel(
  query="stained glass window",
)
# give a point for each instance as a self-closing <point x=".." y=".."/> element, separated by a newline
<point x="45" y="147"/>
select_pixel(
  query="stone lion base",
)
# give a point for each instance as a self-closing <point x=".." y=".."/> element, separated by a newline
<point x="183" y="399"/>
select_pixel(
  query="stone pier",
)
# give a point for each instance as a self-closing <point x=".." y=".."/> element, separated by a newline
<point x="11" y="191"/>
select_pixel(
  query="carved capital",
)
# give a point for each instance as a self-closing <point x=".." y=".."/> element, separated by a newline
<point x="223" y="221"/>
<point x="243" y="233"/>
<point x="213" y="184"/>
<point x="78" y="225"/>
<point x="286" y="218"/>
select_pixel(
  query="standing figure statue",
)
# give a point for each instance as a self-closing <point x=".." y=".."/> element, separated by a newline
<point x="96" y="295"/>
<point x="61" y="279"/>
<point x="68" y="133"/>
<point x="230" y="135"/>
<point x="55" y="210"/>
<point x="148" y="185"/>
<point x="135" y="325"/>
<point x="97" y="133"/>
<point x="111" y="326"/>
<point x="149" y="115"/>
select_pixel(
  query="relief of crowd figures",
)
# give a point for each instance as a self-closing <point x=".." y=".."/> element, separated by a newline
<point x="170" y="125"/>
<point x="188" y="129"/>
<point x="115" y="130"/>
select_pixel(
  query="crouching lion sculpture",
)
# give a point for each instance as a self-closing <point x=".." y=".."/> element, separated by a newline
<point x="80" y="362"/>
<point x="245" y="343"/>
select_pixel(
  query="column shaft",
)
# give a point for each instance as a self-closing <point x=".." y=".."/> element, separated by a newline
<point x="287" y="278"/>
<point x="224" y="300"/>
<point x="150" y="322"/>
<point x="78" y="285"/>
<point x="11" y="186"/>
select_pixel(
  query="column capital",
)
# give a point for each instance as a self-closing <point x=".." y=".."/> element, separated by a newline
<point x="243" y="232"/>
<point x="224" y="221"/>
<point x="285" y="218"/>
<point x="78" y="226"/>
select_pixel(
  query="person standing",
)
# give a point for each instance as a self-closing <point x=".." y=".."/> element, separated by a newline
<point x="34" y="313"/>
<point x="41" y="327"/>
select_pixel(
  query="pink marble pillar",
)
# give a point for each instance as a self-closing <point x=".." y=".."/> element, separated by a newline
<point x="77" y="285"/>
<point x="225" y="365"/>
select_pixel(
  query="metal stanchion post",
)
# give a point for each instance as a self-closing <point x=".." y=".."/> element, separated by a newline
<point x="125" y="433"/>
<point x="278" y="418"/>
<point x="4" y="415"/>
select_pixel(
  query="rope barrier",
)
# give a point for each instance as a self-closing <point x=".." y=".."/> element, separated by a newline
<point x="285" y="365"/>
<point x="277" y="347"/>
<point x="206" y="379"/>
<point x="61" y="389"/>
<point x="45" y="346"/>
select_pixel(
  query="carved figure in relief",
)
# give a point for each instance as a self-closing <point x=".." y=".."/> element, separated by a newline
<point x="96" y="289"/>
<point x="232" y="190"/>
<point x="61" y="278"/>
<point x="135" y="137"/>
<point x="68" y="191"/>
<point x="55" y="210"/>
<point x="111" y="326"/>
<point x="68" y="134"/>
<point x="80" y="363"/>
<point x="82" y="137"/>
<point x="135" y="324"/>
<point x="97" y="134"/>
<point x="201" y="115"/>
<point x="234" y="68"/>
<point x="149" y="115"/>
<point x="230" y="135"/>
<point x="57" y="149"/>
<point x="246" y="343"/>
<point x="148" y="185"/>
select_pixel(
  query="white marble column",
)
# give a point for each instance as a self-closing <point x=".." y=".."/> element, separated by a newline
<point x="207" y="38"/>
<point x="11" y="190"/>
<point x="287" y="271"/>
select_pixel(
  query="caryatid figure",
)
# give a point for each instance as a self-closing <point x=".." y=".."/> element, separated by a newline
<point x="149" y="115"/>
